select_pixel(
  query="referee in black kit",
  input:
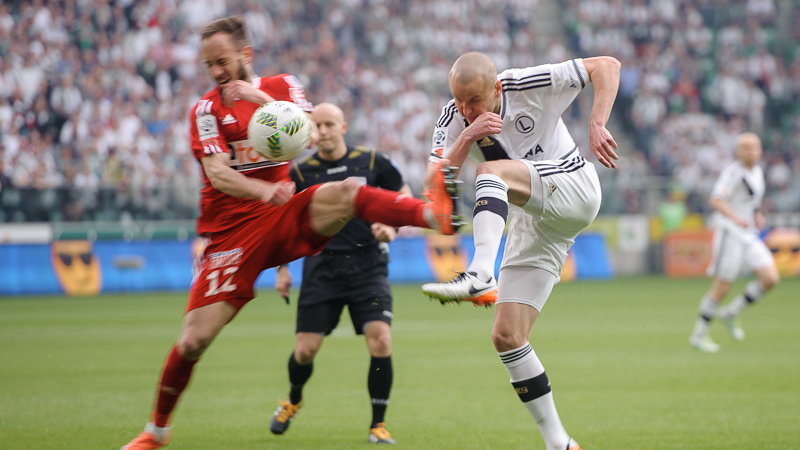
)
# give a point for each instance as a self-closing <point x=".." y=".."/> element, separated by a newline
<point x="351" y="271"/>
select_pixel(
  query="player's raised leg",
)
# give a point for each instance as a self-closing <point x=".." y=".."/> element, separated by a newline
<point x="335" y="203"/>
<point x="497" y="183"/>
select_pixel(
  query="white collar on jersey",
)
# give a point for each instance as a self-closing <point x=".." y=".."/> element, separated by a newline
<point x="256" y="81"/>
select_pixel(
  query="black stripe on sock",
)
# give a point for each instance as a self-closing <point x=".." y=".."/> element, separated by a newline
<point x="521" y="353"/>
<point x="706" y="317"/>
<point x="491" y="184"/>
<point x="532" y="388"/>
<point x="491" y="204"/>
<point x="749" y="299"/>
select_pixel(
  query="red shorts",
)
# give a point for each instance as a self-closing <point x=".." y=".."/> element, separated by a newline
<point x="234" y="258"/>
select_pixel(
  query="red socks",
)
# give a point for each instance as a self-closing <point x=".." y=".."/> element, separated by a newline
<point x="389" y="208"/>
<point x="174" y="378"/>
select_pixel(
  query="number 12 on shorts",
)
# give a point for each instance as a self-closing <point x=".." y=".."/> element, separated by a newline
<point x="214" y="286"/>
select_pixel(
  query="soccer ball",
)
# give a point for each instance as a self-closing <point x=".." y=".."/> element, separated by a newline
<point x="279" y="131"/>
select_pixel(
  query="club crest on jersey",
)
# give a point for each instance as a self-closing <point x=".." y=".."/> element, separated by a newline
<point x="524" y="124"/>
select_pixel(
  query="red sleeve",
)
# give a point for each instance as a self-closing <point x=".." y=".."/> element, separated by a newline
<point x="204" y="132"/>
<point x="287" y="87"/>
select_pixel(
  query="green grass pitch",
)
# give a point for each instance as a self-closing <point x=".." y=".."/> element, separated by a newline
<point x="79" y="373"/>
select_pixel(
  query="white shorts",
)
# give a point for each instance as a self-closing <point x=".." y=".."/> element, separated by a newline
<point x="565" y="198"/>
<point x="737" y="254"/>
<point x="527" y="285"/>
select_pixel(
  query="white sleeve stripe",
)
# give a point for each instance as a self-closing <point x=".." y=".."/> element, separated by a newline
<point x="211" y="148"/>
<point x="203" y="107"/>
<point x="578" y="71"/>
<point x="535" y="77"/>
<point x="292" y="81"/>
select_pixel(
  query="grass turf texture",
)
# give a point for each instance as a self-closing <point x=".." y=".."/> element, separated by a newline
<point x="79" y="373"/>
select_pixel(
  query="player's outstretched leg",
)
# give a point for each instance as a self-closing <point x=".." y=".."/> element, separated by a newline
<point x="477" y="284"/>
<point x="395" y="209"/>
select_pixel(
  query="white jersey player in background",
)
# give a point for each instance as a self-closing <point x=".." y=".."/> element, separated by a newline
<point x="736" y="199"/>
<point x="536" y="178"/>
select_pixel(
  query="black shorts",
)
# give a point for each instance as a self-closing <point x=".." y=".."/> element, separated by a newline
<point x="358" y="280"/>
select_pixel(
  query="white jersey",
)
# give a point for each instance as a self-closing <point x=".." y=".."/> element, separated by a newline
<point x="532" y="101"/>
<point x="742" y="189"/>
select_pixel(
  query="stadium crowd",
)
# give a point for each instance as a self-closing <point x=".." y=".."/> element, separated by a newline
<point x="94" y="95"/>
<point x="695" y="74"/>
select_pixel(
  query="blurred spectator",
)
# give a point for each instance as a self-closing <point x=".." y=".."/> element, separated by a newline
<point x="713" y="69"/>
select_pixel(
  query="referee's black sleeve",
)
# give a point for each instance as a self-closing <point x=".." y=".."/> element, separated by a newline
<point x="389" y="176"/>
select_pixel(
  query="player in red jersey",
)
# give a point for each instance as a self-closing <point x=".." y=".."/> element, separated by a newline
<point x="250" y="213"/>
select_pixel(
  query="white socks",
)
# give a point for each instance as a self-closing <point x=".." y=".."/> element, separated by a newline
<point x="533" y="388"/>
<point x="752" y="292"/>
<point x="708" y="308"/>
<point x="488" y="223"/>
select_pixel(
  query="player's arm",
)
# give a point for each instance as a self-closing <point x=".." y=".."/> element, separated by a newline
<point x="455" y="157"/>
<point x="314" y="130"/>
<point x="231" y="182"/>
<point x="760" y="219"/>
<point x="486" y="124"/>
<point x="283" y="282"/>
<point x="604" y="74"/>
<point x="721" y="205"/>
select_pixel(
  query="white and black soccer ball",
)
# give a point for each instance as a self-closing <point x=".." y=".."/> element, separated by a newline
<point x="279" y="131"/>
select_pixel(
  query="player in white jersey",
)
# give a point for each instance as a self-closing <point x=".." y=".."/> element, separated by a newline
<point x="536" y="178"/>
<point x="737" y="250"/>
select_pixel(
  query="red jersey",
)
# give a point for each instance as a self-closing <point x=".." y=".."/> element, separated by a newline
<point x="215" y="128"/>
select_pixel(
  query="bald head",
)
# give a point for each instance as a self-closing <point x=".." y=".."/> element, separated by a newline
<point x="474" y="85"/>
<point x="748" y="148"/>
<point x="331" y="127"/>
<point x="473" y="66"/>
<point x="329" y="109"/>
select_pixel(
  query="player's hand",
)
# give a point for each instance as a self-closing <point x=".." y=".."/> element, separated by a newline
<point x="383" y="233"/>
<point x="760" y="220"/>
<point x="243" y="90"/>
<point x="312" y="143"/>
<point x="602" y="144"/>
<point x="486" y="124"/>
<point x="277" y="193"/>
<point x="740" y="222"/>
<point x="283" y="282"/>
